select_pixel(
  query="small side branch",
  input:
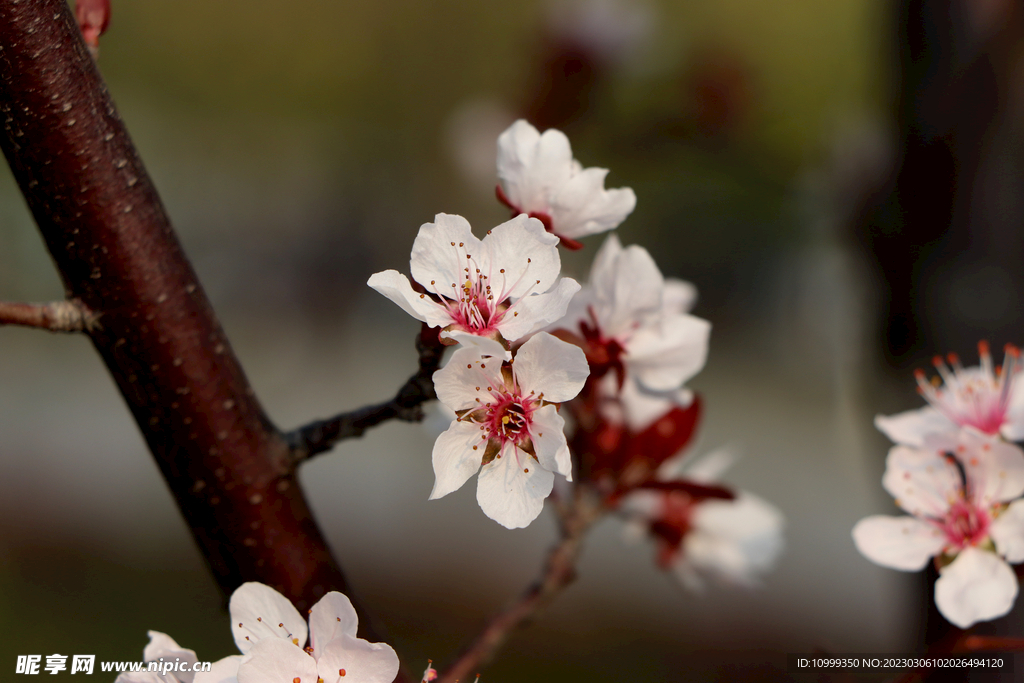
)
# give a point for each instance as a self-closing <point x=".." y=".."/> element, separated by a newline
<point x="57" y="316"/>
<point x="320" y="436"/>
<point x="559" y="571"/>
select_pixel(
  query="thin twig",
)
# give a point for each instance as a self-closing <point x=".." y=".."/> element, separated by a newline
<point x="57" y="316"/>
<point x="559" y="572"/>
<point x="320" y="436"/>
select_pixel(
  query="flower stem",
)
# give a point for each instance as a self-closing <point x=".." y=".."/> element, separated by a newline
<point x="320" y="436"/>
<point x="559" y="571"/>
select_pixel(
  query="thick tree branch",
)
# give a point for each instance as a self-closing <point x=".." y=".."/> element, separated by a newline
<point x="56" y="316"/>
<point x="559" y="571"/>
<point x="227" y="467"/>
<point x="321" y="436"/>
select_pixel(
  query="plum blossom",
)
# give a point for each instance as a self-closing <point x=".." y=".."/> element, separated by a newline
<point x="635" y="326"/>
<point x="500" y="288"/>
<point x="271" y="634"/>
<point x="635" y="406"/>
<point x="507" y="426"/>
<point x="639" y="407"/>
<point x="538" y="176"/>
<point x="162" y="647"/>
<point x="961" y="493"/>
<point x="703" y="538"/>
<point x="987" y="398"/>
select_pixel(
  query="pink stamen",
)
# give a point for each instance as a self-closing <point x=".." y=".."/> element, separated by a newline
<point x="507" y="415"/>
<point x="977" y="397"/>
<point x="965" y="525"/>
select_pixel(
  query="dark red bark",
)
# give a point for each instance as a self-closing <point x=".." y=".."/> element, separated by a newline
<point x="227" y="466"/>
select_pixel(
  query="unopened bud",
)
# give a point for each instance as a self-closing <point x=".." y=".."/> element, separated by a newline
<point x="93" y="17"/>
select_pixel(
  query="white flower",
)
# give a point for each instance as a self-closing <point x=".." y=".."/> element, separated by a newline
<point x="731" y="542"/>
<point x="507" y="427"/>
<point x="162" y="646"/>
<point x="960" y="513"/>
<point x="502" y="287"/>
<point x="271" y="635"/>
<point x="635" y="324"/>
<point x="636" y="407"/>
<point x="537" y="175"/>
<point x="988" y="398"/>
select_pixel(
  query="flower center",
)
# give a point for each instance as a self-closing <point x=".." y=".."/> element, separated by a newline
<point x="474" y="306"/>
<point x="475" y="303"/>
<point x="976" y="397"/>
<point x="508" y="419"/>
<point x="965" y="525"/>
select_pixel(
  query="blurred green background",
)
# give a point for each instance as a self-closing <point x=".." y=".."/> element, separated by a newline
<point x="299" y="146"/>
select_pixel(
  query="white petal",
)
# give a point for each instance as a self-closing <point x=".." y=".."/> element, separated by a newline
<point x="549" y="366"/>
<point x="910" y="427"/>
<point x="456" y="383"/>
<point x="603" y="268"/>
<point x="977" y="586"/>
<point x="548" y="435"/>
<point x="510" y="495"/>
<point x="1007" y="531"/>
<point x="578" y="310"/>
<point x="434" y="257"/>
<point x="994" y="468"/>
<point x="396" y="287"/>
<point x="258" y="611"/>
<point x="162" y="645"/>
<point x="484" y="346"/>
<point x="642" y="407"/>
<point x="708" y="468"/>
<point x="331" y="617"/>
<point x="678" y="296"/>
<point x="526" y="252"/>
<point x="533" y="312"/>
<point x="1013" y="425"/>
<point x="923" y="482"/>
<point x="666" y="355"/>
<point x="904" y="543"/>
<point x="530" y="164"/>
<point x="362" y="662"/>
<point x="454" y="459"/>
<point x="583" y="207"/>
<point x="223" y="671"/>
<point x="273" y="660"/>
<point x="627" y="292"/>
<point x="734" y="542"/>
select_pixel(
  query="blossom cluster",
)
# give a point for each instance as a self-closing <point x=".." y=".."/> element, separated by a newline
<point x="955" y="470"/>
<point x="271" y="635"/>
<point x="616" y="353"/>
<point x="531" y="348"/>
